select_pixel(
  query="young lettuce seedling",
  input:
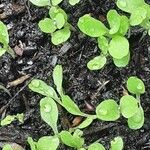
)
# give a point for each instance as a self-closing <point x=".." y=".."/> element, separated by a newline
<point x="4" y="40"/>
<point x="130" y="107"/>
<point x="110" y="41"/>
<point x="139" y="12"/>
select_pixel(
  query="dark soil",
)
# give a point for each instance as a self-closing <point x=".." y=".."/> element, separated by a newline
<point x="39" y="58"/>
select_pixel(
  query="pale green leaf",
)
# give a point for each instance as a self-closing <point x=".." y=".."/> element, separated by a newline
<point x="137" y="16"/>
<point x="40" y="3"/>
<point x="128" y="106"/>
<point x="58" y="77"/>
<point x="47" y="25"/>
<point x="41" y="87"/>
<point x="4" y="37"/>
<point x="48" y="143"/>
<point x="49" y="112"/>
<point x="60" y="36"/>
<point x="136" y="122"/>
<point x="56" y="2"/>
<point x="70" y="140"/>
<point x="31" y="143"/>
<point x="7" y="120"/>
<point x="60" y="20"/>
<point x="103" y="44"/>
<point x="114" y="21"/>
<point x="108" y="110"/>
<point x="117" y="143"/>
<point x="135" y="85"/>
<point x="97" y="62"/>
<point x="70" y="106"/>
<point x="73" y="2"/>
<point x="123" y="62"/>
<point x="96" y="146"/>
<point x="118" y="47"/>
<point x="7" y="147"/>
<point x="92" y="27"/>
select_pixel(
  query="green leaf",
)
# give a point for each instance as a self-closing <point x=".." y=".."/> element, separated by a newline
<point x="56" y="2"/>
<point x="4" y="37"/>
<point x="70" y="140"/>
<point x="97" y="62"/>
<point x="48" y="143"/>
<point x="123" y="62"/>
<point x="103" y="44"/>
<point x="137" y="120"/>
<point x="7" y="147"/>
<point x="124" y="25"/>
<point x="2" y="51"/>
<point x="96" y="146"/>
<point x="60" y="20"/>
<point x="137" y="16"/>
<point x="118" y="47"/>
<point x="92" y="27"/>
<point x="41" y="87"/>
<point x="40" y="3"/>
<point x="108" y="110"/>
<point x="60" y="36"/>
<point x="73" y="2"/>
<point x="129" y="5"/>
<point x="53" y="11"/>
<point x="7" y="120"/>
<point x="49" y="112"/>
<point x="70" y="106"/>
<point x="86" y="122"/>
<point x="20" y="117"/>
<point x="128" y="106"/>
<point x="58" y="77"/>
<point x="135" y="85"/>
<point x="114" y="21"/>
<point x="47" y="25"/>
<point x="31" y="143"/>
<point x="117" y="143"/>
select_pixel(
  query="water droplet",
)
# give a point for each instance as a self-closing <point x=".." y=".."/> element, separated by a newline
<point x="122" y="3"/>
<point x="47" y="108"/>
<point x="103" y="112"/>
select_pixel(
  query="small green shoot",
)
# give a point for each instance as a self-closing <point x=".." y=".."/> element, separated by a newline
<point x="75" y="140"/>
<point x="96" y="146"/>
<point x="108" y="110"/>
<point x="117" y="143"/>
<point x="139" y="12"/>
<point x="110" y="41"/>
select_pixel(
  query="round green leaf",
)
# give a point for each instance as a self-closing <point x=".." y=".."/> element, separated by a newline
<point x="40" y="3"/>
<point x="123" y="61"/>
<point x="128" y="106"/>
<point x="118" y="47"/>
<point x="49" y="112"/>
<point x="92" y="27"/>
<point x="108" y="110"/>
<point x="114" y="21"/>
<point x="60" y="20"/>
<point x="47" y="25"/>
<point x="56" y="2"/>
<point x="129" y="5"/>
<point x="137" y="16"/>
<point x="97" y="62"/>
<point x="103" y="44"/>
<point x="96" y="146"/>
<point x="135" y="85"/>
<point x="124" y="25"/>
<point x="60" y="36"/>
<point x="73" y="2"/>
<point x="117" y="144"/>
<point x="136" y="122"/>
<point x="48" y="143"/>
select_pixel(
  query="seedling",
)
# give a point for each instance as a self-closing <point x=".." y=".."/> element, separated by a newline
<point x="110" y="41"/>
<point x="10" y="118"/>
<point x="4" y="40"/>
<point x="139" y="12"/>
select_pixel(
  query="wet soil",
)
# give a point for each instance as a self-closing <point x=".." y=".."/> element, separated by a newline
<point x="38" y="59"/>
